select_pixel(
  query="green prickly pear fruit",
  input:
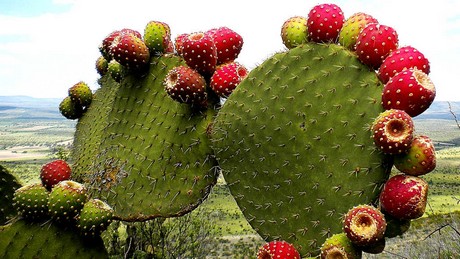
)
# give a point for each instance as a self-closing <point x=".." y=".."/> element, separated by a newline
<point x="102" y="66"/>
<point x="352" y="27"/>
<point x="157" y="37"/>
<point x="70" y="109"/>
<point x="94" y="217"/>
<point x="339" y="246"/>
<point x="8" y="185"/>
<point x="294" y="31"/>
<point x="116" y="70"/>
<point x="32" y="201"/>
<point x="66" y="199"/>
<point x="81" y="93"/>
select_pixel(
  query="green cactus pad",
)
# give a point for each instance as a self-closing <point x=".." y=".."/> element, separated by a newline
<point x="151" y="157"/>
<point x="22" y="239"/>
<point x="8" y="185"/>
<point x="295" y="146"/>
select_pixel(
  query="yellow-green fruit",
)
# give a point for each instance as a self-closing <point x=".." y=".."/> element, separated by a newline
<point x="339" y="246"/>
<point x="294" y="32"/>
<point x="31" y="201"/>
<point x="352" y="27"/>
<point x="70" y="109"/>
<point x="66" y="199"/>
<point x="95" y="217"/>
<point x="81" y="93"/>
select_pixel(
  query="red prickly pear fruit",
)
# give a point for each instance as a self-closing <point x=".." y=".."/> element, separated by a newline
<point x="199" y="52"/>
<point x="228" y="44"/>
<point x="374" y="44"/>
<point x="420" y="159"/>
<point x="107" y="42"/>
<point x="227" y="77"/>
<point x="278" y="249"/>
<point x="54" y="172"/>
<point x="131" y="52"/>
<point x="393" y="131"/>
<point x="401" y="59"/>
<point x="364" y="225"/>
<point x="186" y="85"/>
<point x="325" y="22"/>
<point x="404" y="197"/>
<point x="409" y="90"/>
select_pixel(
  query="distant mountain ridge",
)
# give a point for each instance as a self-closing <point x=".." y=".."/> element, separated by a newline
<point x="28" y="102"/>
<point x="29" y="108"/>
<point x="49" y="107"/>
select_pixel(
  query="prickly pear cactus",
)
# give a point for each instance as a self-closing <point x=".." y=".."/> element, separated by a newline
<point x="141" y="152"/>
<point x="295" y="146"/>
<point x="8" y="184"/>
<point x="23" y="239"/>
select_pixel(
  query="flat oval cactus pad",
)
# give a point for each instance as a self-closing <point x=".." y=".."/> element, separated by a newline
<point x="295" y="146"/>
<point x="142" y="152"/>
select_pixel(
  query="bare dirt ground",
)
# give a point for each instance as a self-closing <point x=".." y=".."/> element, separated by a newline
<point x="23" y="153"/>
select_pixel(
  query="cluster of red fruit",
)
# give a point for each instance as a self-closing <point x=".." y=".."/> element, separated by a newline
<point x="209" y="57"/>
<point x="403" y="70"/>
<point x="408" y="92"/>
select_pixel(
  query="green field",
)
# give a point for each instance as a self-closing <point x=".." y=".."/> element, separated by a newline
<point x="25" y="145"/>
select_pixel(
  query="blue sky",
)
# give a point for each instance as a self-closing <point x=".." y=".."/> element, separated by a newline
<point x="48" y="45"/>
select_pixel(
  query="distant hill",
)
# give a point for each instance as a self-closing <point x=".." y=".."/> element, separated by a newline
<point x="26" y="108"/>
<point x="440" y="110"/>
<point x="42" y="108"/>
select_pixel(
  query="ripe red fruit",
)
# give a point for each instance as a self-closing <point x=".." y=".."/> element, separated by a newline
<point x="393" y="131"/>
<point x="374" y="44"/>
<point x="179" y="43"/>
<point x="228" y="44"/>
<point x="404" y="197"/>
<point x="278" y="249"/>
<point x="410" y="90"/>
<point x="402" y="59"/>
<point x="364" y="225"/>
<point x="325" y="22"/>
<point x="420" y="159"/>
<point x="199" y="52"/>
<point x="106" y="44"/>
<point x="227" y="77"/>
<point x="186" y="85"/>
<point x="54" y="172"/>
<point x="130" y="51"/>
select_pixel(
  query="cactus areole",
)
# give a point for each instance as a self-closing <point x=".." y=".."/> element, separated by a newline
<point x="295" y="146"/>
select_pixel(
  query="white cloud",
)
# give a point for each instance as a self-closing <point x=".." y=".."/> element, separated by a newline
<point x="43" y="56"/>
